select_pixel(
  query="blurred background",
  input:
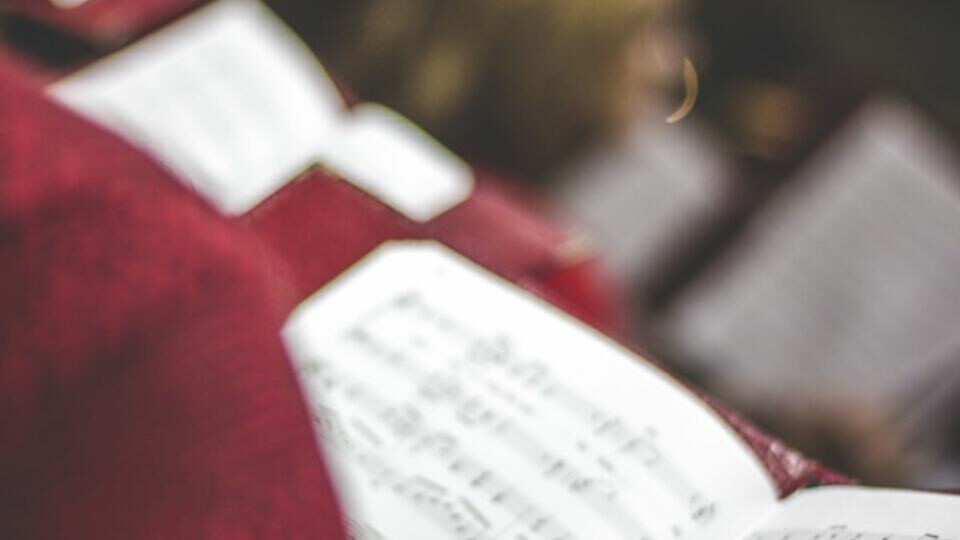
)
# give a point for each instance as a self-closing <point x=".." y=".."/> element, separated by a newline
<point x="791" y="243"/>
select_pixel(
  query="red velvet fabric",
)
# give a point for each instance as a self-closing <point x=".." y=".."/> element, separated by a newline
<point x="321" y="224"/>
<point x="144" y="392"/>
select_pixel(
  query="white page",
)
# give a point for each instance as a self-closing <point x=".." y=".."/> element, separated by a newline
<point x="232" y="101"/>
<point x="638" y="195"/>
<point x="458" y="406"/>
<point x="389" y="156"/>
<point x="851" y="513"/>
<point x="848" y="273"/>
<point x="228" y="97"/>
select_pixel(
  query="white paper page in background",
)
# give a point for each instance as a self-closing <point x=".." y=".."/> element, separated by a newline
<point x="850" y="513"/>
<point x="639" y="195"/>
<point x="848" y="283"/>
<point x="461" y="407"/>
<point x="390" y="157"/>
<point x="229" y="98"/>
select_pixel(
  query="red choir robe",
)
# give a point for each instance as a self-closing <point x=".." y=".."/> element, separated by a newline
<point x="144" y="391"/>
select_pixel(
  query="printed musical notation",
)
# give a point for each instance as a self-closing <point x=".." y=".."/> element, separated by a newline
<point x="839" y="532"/>
<point x="422" y="388"/>
<point x="457" y="492"/>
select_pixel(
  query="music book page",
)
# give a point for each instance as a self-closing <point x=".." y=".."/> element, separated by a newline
<point x="234" y="103"/>
<point x="228" y="98"/>
<point x="848" y="513"/>
<point x="849" y="272"/>
<point x="457" y="406"/>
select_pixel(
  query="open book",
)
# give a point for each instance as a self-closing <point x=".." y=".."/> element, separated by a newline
<point x="236" y="105"/>
<point x="454" y="405"/>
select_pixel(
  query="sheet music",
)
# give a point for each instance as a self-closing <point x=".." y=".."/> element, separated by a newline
<point x="228" y="98"/>
<point x="839" y="532"/>
<point x="849" y="513"/>
<point x="234" y="103"/>
<point x="849" y="272"/>
<point x="459" y="407"/>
